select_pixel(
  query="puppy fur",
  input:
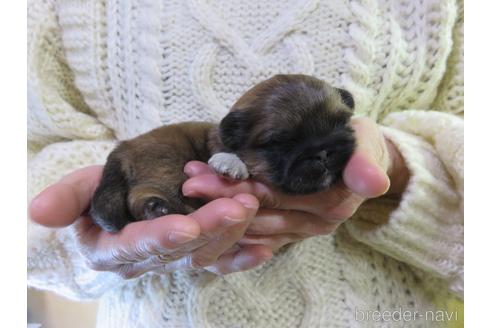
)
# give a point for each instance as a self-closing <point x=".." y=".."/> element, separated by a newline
<point x="291" y="132"/>
<point x="142" y="177"/>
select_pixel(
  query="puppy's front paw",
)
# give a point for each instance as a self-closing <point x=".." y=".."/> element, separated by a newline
<point x="229" y="165"/>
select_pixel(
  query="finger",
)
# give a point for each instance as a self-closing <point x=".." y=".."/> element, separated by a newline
<point x="273" y="242"/>
<point x="167" y="263"/>
<point x="365" y="173"/>
<point x="161" y="240"/>
<point x="136" y="242"/>
<point x="195" y="168"/>
<point x="61" y="204"/>
<point x="222" y="222"/>
<point x="218" y="215"/>
<point x="364" y="177"/>
<point x="248" y="257"/>
<point x="210" y="186"/>
<point x="274" y="222"/>
<point x="208" y="254"/>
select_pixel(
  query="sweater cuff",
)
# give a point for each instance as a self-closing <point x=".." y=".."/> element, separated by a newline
<point x="425" y="227"/>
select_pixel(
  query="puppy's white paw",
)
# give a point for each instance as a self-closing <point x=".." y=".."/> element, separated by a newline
<point x="229" y="165"/>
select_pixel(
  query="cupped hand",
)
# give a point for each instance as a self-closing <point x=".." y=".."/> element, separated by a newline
<point x="376" y="168"/>
<point x="206" y="238"/>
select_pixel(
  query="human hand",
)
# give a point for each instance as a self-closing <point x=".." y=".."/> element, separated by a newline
<point x="203" y="239"/>
<point x="376" y="168"/>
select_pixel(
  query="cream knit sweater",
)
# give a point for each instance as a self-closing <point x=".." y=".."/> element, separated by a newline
<point x="106" y="70"/>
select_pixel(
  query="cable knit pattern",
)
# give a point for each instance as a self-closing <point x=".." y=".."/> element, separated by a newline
<point x="451" y="91"/>
<point x="106" y="70"/>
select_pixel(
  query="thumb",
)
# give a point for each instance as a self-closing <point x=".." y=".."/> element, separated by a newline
<point x="366" y="171"/>
<point x="364" y="177"/>
<point x="62" y="203"/>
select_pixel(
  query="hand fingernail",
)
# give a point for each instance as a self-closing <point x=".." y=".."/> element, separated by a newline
<point x="232" y="221"/>
<point x="248" y="204"/>
<point x="190" y="193"/>
<point x="180" y="237"/>
<point x="189" y="170"/>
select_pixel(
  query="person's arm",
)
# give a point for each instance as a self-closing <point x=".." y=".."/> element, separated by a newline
<point x="423" y="226"/>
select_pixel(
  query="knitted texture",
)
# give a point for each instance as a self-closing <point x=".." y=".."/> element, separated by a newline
<point x="101" y="71"/>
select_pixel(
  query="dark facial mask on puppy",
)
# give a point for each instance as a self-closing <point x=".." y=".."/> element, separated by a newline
<point x="291" y="132"/>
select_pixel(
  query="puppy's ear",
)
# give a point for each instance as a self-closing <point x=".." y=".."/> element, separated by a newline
<point x="234" y="129"/>
<point x="109" y="203"/>
<point x="347" y="98"/>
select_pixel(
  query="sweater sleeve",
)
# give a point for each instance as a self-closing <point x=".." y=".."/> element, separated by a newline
<point x="424" y="227"/>
<point x="63" y="135"/>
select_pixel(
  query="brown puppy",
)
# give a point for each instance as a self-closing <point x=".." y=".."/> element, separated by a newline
<point x="290" y="132"/>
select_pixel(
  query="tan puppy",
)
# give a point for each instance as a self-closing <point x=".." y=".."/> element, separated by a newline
<point x="290" y="132"/>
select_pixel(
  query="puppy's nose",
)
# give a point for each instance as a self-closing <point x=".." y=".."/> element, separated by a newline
<point x="321" y="155"/>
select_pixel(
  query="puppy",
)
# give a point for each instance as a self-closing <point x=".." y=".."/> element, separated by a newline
<point x="291" y="132"/>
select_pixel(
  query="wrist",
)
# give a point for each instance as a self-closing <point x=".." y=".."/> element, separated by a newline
<point x="398" y="172"/>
